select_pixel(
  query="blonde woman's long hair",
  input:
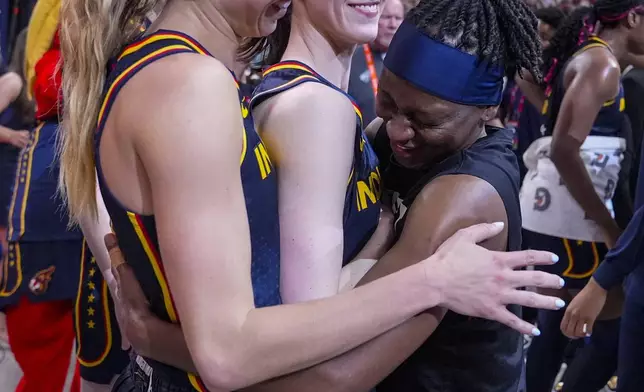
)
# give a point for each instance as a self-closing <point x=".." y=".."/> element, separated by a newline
<point x="92" y="31"/>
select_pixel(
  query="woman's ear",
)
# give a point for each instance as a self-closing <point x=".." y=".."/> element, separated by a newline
<point x="489" y="113"/>
<point x="633" y="19"/>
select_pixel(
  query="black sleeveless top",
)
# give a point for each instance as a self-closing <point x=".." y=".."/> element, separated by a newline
<point x="362" y="200"/>
<point x="610" y="121"/>
<point x="137" y="233"/>
<point x="464" y="354"/>
<point x="611" y="117"/>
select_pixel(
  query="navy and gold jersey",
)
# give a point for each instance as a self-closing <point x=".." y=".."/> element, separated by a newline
<point x="40" y="270"/>
<point x="362" y="200"/>
<point x="137" y="233"/>
<point x="36" y="212"/>
<point x="98" y="337"/>
<point x="610" y="119"/>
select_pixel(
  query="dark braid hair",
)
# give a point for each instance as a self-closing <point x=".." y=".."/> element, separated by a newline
<point x="272" y="47"/>
<point x="552" y="16"/>
<point x="578" y="27"/>
<point x="503" y="32"/>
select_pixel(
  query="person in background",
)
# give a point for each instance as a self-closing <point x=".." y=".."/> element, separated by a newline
<point x="16" y="118"/>
<point x="517" y="112"/>
<point x="567" y="197"/>
<point x="633" y="81"/>
<point x="367" y="62"/>
<point x="40" y="272"/>
<point x="622" y="264"/>
<point x="47" y="305"/>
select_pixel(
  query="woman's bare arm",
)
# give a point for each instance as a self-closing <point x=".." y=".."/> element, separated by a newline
<point x="95" y="229"/>
<point x="10" y="86"/>
<point x="435" y="217"/>
<point x="205" y="244"/>
<point x="593" y="81"/>
<point x="301" y="127"/>
<point x="310" y="133"/>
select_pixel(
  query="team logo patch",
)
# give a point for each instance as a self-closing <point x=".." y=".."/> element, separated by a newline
<point x="542" y="199"/>
<point x="599" y="160"/>
<point x="40" y="282"/>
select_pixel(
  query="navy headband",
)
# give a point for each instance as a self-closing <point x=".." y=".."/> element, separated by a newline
<point x="443" y="71"/>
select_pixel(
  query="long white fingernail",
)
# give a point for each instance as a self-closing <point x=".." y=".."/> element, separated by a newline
<point x="536" y="332"/>
<point x="498" y="224"/>
<point x="555" y="258"/>
<point x="559" y="303"/>
<point x="562" y="282"/>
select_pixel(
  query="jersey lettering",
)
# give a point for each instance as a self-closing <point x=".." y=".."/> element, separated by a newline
<point x="370" y="191"/>
<point x="263" y="160"/>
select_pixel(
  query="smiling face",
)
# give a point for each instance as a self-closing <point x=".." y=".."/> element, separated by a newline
<point x="345" y="22"/>
<point x="424" y="129"/>
<point x="254" y="18"/>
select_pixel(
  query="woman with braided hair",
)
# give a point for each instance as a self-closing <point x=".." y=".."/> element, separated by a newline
<point x="569" y="199"/>
<point x="432" y="137"/>
<point x="442" y="83"/>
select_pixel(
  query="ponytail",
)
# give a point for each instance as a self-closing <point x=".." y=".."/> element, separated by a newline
<point x="92" y="31"/>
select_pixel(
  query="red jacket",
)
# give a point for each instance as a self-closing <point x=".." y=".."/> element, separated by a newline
<point x="48" y="82"/>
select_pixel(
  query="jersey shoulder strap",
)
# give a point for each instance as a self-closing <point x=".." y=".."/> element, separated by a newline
<point x="281" y="77"/>
<point x="592" y="42"/>
<point x="136" y="56"/>
<point x="288" y="74"/>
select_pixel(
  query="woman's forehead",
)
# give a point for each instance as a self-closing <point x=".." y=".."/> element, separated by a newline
<point x="410" y="98"/>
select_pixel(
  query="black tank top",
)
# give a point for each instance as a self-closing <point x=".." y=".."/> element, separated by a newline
<point x="464" y="354"/>
<point x="362" y="199"/>
<point x="611" y="117"/>
<point x="137" y="233"/>
<point x="610" y="121"/>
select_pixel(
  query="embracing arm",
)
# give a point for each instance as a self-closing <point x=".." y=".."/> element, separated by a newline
<point x="586" y="93"/>
<point x="94" y="230"/>
<point x="301" y="127"/>
<point x="434" y="217"/>
<point x="205" y="244"/>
